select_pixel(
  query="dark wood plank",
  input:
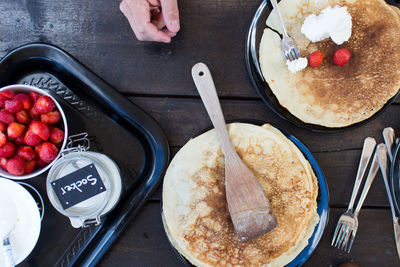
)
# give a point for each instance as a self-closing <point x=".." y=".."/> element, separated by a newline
<point x="339" y="169"/>
<point x="144" y="242"/>
<point x="184" y="118"/>
<point x="97" y="34"/>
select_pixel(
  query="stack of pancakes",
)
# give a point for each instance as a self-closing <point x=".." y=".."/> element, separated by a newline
<point x="331" y="95"/>
<point x="195" y="214"/>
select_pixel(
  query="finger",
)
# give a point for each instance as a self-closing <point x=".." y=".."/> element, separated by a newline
<point x="154" y="2"/>
<point x="169" y="9"/>
<point x="141" y="25"/>
<point x="158" y="20"/>
<point x="168" y="32"/>
<point x="154" y="34"/>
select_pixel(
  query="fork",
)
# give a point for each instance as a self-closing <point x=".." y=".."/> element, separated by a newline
<point x="348" y="222"/>
<point x="288" y="46"/>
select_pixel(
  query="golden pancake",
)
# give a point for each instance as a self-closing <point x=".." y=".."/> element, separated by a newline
<point x="195" y="215"/>
<point x="331" y="95"/>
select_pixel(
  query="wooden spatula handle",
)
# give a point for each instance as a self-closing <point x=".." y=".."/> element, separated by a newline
<point x="205" y="85"/>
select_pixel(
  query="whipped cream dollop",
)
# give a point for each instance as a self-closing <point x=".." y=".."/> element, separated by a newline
<point x="334" y="22"/>
<point x="297" y="65"/>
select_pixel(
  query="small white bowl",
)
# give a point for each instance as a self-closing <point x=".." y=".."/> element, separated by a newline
<point x="19" y="88"/>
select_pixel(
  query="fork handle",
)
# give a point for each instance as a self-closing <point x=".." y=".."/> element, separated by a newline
<point x="370" y="179"/>
<point x="276" y="8"/>
<point x="382" y="158"/>
<point x="366" y="154"/>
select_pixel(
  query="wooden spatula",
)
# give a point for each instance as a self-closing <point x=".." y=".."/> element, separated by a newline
<point x="248" y="206"/>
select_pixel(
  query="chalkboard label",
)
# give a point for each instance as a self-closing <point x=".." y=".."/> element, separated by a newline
<point x="78" y="186"/>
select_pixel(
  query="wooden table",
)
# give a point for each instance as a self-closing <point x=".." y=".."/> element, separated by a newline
<point x="157" y="78"/>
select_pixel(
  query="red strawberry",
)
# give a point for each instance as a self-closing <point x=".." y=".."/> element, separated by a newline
<point x="3" y="126"/>
<point x="6" y="117"/>
<point x="2" y="101"/>
<point x="32" y="139"/>
<point x="7" y="93"/>
<point x="3" y="139"/>
<point x="7" y="150"/>
<point x="15" y="130"/>
<point x="56" y="135"/>
<point x="3" y="163"/>
<point x="30" y="166"/>
<point x="341" y="56"/>
<point x="47" y="151"/>
<point x="13" y="106"/>
<point x="24" y="98"/>
<point x="20" y="139"/>
<point x="33" y="113"/>
<point x="41" y="163"/>
<point x="44" y="104"/>
<point x="33" y="96"/>
<point x="316" y="58"/>
<point x="40" y="129"/>
<point x="16" y="166"/>
<point x="22" y="116"/>
<point x="51" y="117"/>
<point x="26" y="152"/>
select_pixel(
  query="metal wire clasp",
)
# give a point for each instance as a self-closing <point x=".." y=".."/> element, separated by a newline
<point x="77" y="143"/>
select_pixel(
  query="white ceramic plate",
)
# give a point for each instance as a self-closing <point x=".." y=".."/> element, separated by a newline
<point x="26" y="232"/>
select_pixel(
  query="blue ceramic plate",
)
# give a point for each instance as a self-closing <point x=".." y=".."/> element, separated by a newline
<point x="322" y="199"/>
<point x="252" y="45"/>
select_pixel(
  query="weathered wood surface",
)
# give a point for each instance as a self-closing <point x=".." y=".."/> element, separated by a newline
<point x="157" y="78"/>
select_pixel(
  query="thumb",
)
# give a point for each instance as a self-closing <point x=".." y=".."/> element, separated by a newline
<point x="169" y="9"/>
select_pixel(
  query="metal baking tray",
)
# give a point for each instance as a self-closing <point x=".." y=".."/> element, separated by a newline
<point x="116" y="127"/>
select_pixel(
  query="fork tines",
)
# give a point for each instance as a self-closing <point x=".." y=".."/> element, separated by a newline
<point x="343" y="237"/>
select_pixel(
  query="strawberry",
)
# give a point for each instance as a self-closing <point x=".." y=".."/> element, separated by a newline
<point x="47" y="151"/>
<point x="33" y="113"/>
<point x="22" y="116"/>
<point x="315" y="59"/>
<point x="16" y="166"/>
<point x="15" y="130"/>
<point x="7" y="150"/>
<point x="51" y="117"/>
<point x="2" y="101"/>
<point x="40" y="129"/>
<point x="7" y="93"/>
<point x="341" y="56"/>
<point x="41" y="163"/>
<point x="32" y="139"/>
<point x="13" y="106"/>
<point x="56" y="135"/>
<point x="44" y="104"/>
<point x="3" y="163"/>
<point x="26" y="152"/>
<point x="20" y="139"/>
<point x="30" y="166"/>
<point x="3" y="126"/>
<point x="6" y="117"/>
<point x="3" y="138"/>
<point x="24" y="98"/>
<point x="33" y="96"/>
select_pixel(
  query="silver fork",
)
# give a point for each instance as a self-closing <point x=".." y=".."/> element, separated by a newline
<point x="348" y="223"/>
<point x="288" y="46"/>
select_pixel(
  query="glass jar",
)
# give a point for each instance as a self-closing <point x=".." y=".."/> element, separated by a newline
<point x="74" y="158"/>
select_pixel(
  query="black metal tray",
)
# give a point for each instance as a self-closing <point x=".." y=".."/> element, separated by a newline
<point x="116" y="127"/>
<point x="252" y="45"/>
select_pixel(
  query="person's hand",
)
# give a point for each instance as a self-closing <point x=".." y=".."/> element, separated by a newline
<point x="152" y="20"/>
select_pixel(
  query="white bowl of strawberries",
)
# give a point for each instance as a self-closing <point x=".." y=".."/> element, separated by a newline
<point x="33" y="131"/>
